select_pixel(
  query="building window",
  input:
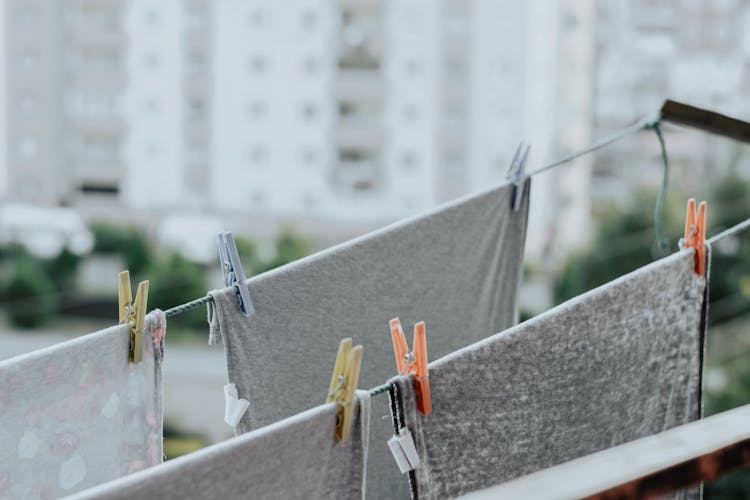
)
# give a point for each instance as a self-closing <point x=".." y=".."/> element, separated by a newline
<point x="311" y="65"/>
<point x="410" y="112"/>
<point x="25" y="17"/>
<point x="412" y="67"/>
<point x="258" y="198"/>
<point x="309" y="111"/>
<point x="28" y="148"/>
<point x="258" y="64"/>
<point x="353" y="155"/>
<point x="27" y="104"/>
<point x="152" y="18"/>
<point x="256" y="19"/>
<point x="258" y="154"/>
<point x="151" y="105"/>
<point x="152" y="149"/>
<point x="152" y="60"/>
<point x="196" y="107"/>
<point x="309" y="201"/>
<point x="409" y="160"/>
<point x="308" y="20"/>
<point x="257" y="109"/>
<point x="28" y="61"/>
<point x="309" y="156"/>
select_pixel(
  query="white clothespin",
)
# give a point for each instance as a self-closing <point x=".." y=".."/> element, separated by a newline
<point x="403" y="450"/>
<point x="517" y="174"/>
<point x="233" y="273"/>
<point x="234" y="407"/>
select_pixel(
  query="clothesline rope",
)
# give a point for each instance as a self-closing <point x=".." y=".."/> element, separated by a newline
<point x="174" y="311"/>
<point x="646" y="123"/>
<point x="382" y="389"/>
<point x="729" y="232"/>
<point x="651" y="122"/>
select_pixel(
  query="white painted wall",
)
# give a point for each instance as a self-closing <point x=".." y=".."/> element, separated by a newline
<point x="412" y="72"/>
<point x="273" y="103"/>
<point x="3" y="107"/>
<point x="152" y="104"/>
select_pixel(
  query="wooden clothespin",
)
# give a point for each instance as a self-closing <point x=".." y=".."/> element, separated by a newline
<point x="413" y="362"/>
<point x="343" y="384"/>
<point x="133" y="312"/>
<point x="234" y="275"/>
<point x="517" y="174"/>
<point x="695" y="234"/>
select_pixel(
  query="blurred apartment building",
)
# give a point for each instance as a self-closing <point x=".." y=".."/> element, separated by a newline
<point x="356" y="112"/>
<point x="353" y="112"/>
<point x="696" y="51"/>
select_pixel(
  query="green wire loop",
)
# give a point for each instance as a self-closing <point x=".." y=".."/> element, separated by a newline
<point x="661" y="198"/>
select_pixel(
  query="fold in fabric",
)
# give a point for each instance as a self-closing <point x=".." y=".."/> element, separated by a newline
<point x="618" y="363"/>
<point x="457" y="268"/>
<point x="297" y="458"/>
<point x="79" y="414"/>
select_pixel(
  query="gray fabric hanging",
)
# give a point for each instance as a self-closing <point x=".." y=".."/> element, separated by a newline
<point x="457" y="268"/>
<point x="297" y="458"/>
<point x="618" y="363"/>
<point x="78" y="414"/>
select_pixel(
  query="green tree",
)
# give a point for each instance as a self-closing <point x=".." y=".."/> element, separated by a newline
<point x="624" y="241"/>
<point x="176" y="280"/>
<point x="290" y="246"/>
<point x="248" y="251"/>
<point x="108" y="237"/>
<point x="729" y="294"/>
<point x="63" y="270"/>
<point x="129" y="242"/>
<point x="30" y="295"/>
<point x="136" y="252"/>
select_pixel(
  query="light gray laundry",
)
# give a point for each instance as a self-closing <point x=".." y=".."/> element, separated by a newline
<point x="620" y="362"/>
<point x="296" y="458"/>
<point x="457" y="268"/>
<point x="78" y="414"/>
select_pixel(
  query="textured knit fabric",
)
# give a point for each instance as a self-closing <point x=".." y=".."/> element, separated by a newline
<point x="297" y="458"/>
<point x="618" y="363"/>
<point x="78" y="414"/>
<point x="457" y="268"/>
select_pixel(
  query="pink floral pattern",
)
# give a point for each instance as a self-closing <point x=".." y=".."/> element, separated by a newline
<point x="80" y="414"/>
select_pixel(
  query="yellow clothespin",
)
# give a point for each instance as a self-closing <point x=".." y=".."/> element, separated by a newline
<point x="343" y="384"/>
<point x="133" y="312"/>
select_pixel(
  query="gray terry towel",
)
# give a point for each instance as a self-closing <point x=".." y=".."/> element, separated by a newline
<point x="620" y="362"/>
<point x="457" y="268"/>
<point x="78" y="414"/>
<point x="297" y="458"/>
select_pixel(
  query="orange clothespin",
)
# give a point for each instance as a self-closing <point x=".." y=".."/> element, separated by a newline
<point x="343" y="385"/>
<point x="695" y="234"/>
<point x="133" y="312"/>
<point x="413" y="362"/>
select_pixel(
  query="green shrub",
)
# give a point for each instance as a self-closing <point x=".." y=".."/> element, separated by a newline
<point x="136" y="252"/>
<point x="624" y="241"/>
<point x="289" y="246"/>
<point x="130" y="243"/>
<point x="108" y="237"/>
<point x="30" y="295"/>
<point x="248" y="251"/>
<point x="174" y="281"/>
<point x="63" y="270"/>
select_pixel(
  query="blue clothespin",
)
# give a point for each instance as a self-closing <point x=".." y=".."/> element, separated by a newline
<point x="233" y="273"/>
<point x="517" y="174"/>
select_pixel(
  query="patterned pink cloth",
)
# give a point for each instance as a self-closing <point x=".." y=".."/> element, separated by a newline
<point x="79" y="413"/>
